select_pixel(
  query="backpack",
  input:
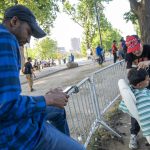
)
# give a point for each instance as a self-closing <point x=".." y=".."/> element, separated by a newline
<point x="25" y="69"/>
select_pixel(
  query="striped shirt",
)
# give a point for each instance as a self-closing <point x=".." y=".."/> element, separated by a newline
<point x="143" y="107"/>
<point x="21" y="117"/>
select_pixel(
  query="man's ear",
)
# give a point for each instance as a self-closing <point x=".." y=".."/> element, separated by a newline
<point x="14" y="22"/>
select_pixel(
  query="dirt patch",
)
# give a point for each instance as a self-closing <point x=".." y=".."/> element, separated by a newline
<point x="120" y="122"/>
<point x="62" y="79"/>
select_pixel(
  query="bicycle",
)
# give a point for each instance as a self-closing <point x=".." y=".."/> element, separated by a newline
<point x="100" y="60"/>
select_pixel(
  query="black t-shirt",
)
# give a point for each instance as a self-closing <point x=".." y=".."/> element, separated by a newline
<point x="134" y="60"/>
<point x="28" y="67"/>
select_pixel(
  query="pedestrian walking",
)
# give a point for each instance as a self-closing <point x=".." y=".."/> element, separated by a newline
<point x="64" y="60"/>
<point x="29" y="73"/>
<point x="114" y="50"/>
<point x="121" y="54"/>
<point x="72" y="57"/>
<point x="99" y="54"/>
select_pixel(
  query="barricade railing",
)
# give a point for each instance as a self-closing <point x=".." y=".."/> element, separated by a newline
<point x="106" y="84"/>
<point x="81" y="110"/>
<point x="90" y="99"/>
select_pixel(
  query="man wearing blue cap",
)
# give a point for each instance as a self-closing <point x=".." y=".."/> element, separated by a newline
<point x="23" y="123"/>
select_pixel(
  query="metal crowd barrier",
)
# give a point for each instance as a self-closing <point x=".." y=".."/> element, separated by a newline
<point x="90" y="99"/>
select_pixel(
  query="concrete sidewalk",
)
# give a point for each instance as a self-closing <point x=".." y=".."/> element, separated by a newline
<point x="51" y="70"/>
<point x="44" y="72"/>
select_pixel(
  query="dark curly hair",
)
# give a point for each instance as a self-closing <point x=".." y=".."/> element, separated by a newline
<point x="136" y="76"/>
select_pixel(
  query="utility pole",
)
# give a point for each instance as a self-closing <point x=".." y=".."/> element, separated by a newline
<point x="98" y="22"/>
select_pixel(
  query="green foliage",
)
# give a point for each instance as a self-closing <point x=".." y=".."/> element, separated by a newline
<point x="45" y="49"/>
<point x="33" y="53"/>
<point x="83" y="49"/>
<point x="44" y="10"/>
<point x="84" y="14"/>
<point x="108" y="36"/>
<point x="130" y="16"/>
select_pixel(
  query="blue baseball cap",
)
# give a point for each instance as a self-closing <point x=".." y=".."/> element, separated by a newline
<point x="24" y="14"/>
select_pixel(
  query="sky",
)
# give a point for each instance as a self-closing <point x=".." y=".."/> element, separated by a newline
<point x="65" y="29"/>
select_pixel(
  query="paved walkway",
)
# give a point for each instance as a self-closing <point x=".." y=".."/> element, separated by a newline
<point x="44" y="72"/>
<point x="50" y="70"/>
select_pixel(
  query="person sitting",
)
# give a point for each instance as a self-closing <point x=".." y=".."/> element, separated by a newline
<point x="23" y="118"/>
<point x="139" y="80"/>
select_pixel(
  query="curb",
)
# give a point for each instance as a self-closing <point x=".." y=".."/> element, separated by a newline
<point x="46" y="75"/>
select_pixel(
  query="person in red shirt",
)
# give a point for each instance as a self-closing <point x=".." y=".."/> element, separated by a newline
<point x="114" y="50"/>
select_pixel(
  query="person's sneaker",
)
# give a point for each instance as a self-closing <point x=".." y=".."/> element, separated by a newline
<point x="133" y="142"/>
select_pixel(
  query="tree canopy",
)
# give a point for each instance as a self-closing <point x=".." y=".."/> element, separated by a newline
<point x="44" y="49"/>
<point x="130" y="16"/>
<point x="44" y="10"/>
<point x="84" y="14"/>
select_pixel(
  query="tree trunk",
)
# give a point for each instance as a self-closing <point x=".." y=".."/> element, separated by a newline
<point x="142" y="10"/>
<point x="87" y="38"/>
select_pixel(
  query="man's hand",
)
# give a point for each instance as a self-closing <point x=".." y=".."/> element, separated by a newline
<point x="143" y="64"/>
<point x="56" y="98"/>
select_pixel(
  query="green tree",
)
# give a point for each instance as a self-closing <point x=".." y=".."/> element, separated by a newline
<point x="83" y="48"/>
<point x="47" y="48"/>
<point x="44" y="10"/>
<point x="130" y="16"/>
<point x="84" y="15"/>
<point x="33" y="53"/>
<point x="108" y="35"/>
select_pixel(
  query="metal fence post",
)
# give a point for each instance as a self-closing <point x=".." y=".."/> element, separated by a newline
<point x="99" y="119"/>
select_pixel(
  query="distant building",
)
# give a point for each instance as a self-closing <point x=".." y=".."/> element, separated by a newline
<point x="61" y="49"/>
<point x="75" y="44"/>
